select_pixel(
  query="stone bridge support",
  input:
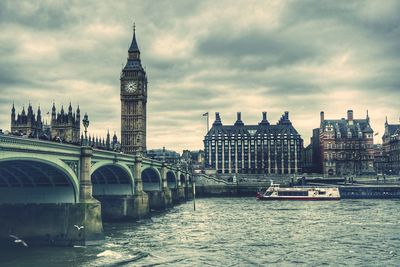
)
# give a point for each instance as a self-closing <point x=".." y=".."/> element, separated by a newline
<point x="141" y="207"/>
<point x="88" y="210"/>
<point x="181" y="187"/>
<point x="161" y="199"/>
<point x="164" y="186"/>
<point x="126" y="206"/>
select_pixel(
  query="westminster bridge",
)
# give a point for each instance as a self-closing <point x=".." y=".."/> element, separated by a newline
<point x="47" y="189"/>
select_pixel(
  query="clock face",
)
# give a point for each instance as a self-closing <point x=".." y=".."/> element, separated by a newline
<point x="131" y="87"/>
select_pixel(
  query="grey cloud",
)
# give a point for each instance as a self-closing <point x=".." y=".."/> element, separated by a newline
<point x="266" y="47"/>
<point x="49" y="15"/>
<point x="264" y="67"/>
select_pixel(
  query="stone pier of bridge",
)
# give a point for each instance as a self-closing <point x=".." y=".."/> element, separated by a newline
<point x="130" y="206"/>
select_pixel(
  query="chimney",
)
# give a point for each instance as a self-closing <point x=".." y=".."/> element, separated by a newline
<point x="239" y="121"/>
<point x="286" y="115"/>
<point x="322" y="116"/>
<point x="350" y="115"/>
<point x="264" y="120"/>
<point x="217" y="121"/>
<point x="217" y="117"/>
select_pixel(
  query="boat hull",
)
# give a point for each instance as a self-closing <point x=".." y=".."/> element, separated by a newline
<point x="299" y="198"/>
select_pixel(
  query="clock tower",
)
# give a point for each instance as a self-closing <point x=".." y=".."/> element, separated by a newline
<point x="133" y="102"/>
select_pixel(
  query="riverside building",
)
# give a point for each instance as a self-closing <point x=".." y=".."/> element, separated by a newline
<point x="346" y="146"/>
<point x="391" y="148"/>
<point x="253" y="149"/>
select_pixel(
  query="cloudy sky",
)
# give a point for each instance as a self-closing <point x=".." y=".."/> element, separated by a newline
<point x="253" y="56"/>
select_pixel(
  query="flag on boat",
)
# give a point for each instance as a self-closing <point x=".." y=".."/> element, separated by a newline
<point x="205" y="114"/>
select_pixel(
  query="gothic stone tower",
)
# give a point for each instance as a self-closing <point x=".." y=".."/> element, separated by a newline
<point x="133" y="102"/>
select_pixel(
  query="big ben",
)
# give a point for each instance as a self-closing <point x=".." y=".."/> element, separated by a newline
<point x="133" y="102"/>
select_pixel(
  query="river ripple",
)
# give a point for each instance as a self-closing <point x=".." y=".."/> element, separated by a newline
<point x="241" y="232"/>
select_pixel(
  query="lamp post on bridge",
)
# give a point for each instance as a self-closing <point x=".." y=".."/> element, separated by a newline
<point x="85" y="188"/>
<point x="85" y="122"/>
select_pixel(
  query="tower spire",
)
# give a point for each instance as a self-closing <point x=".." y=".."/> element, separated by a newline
<point x="134" y="48"/>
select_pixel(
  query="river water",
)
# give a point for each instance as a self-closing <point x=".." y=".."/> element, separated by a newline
<point x="240" y="232"/>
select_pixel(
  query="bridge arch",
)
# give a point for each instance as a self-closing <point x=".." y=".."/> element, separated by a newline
<point x="151" y="179"/>
<point x="111" y="179"/>
<point x="34" y="180"/>
<point x="171" y="180"/>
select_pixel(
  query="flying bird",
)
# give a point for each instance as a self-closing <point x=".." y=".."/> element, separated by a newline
<point x="79" y="227"/>
<point x="19" y="240"/>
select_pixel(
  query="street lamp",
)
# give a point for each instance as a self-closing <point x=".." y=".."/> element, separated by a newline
<point x="85" y="122"/>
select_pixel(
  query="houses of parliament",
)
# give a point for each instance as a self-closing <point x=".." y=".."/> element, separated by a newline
<point x="64" y="126"/>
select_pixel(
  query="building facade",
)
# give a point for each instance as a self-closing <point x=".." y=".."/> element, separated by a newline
<point x="194" y="159"/>
<point x="346" y="146"/>
<point x="106" y="144"/>
<point x="311" y="154"/>
<point x="133" y="90"/>
<point x="64" y="126"/>
<point x="308" y="164"/>
<point x="391" y="148"/>
<point x="164" y="155"/>
<point x="27" y="123"/>
<point x="253" y="149"/>
<point x="380" y="159"/>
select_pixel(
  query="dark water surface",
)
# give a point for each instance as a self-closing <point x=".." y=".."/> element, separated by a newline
<point x="240" y="232"/>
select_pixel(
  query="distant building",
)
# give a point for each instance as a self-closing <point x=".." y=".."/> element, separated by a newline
<point x="308" y="164"/>
<point x="380" y="160"/>
<point x="391" y="148"/>
<point x="254" y="149"/>
<point x="66" y="126"/>
<point x="311" y="154"/>
<point x="101" y="143"/>
<point x="26" y="123"/>
<point x="164" y="155"/>
<point x="194" y="158"/>
<point x="345" y="146"/>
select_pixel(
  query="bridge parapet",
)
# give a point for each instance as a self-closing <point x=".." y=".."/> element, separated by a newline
<point x="35" y="145"/>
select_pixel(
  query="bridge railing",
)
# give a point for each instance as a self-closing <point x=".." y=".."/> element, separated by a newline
<point x="27" y="143"/>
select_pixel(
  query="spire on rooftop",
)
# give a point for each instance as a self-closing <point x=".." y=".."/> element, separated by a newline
<point x="134" y="46"/>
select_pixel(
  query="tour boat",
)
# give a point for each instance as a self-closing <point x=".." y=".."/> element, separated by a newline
<point x="274" y="192"/>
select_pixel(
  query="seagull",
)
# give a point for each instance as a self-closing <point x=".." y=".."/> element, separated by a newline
<point x="19" y="240"/>
<point x="79" y="227"/>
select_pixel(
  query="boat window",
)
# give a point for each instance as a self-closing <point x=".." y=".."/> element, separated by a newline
<point x="293" y="193"/>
